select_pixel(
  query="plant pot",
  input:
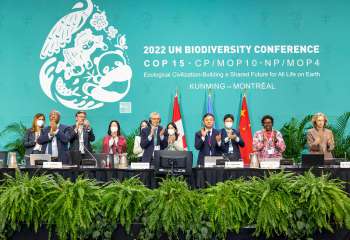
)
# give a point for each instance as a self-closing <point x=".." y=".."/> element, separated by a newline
<point x="120" y="232"/>
<point x="26" y="233"/>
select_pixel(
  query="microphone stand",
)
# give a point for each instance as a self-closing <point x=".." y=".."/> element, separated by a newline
<point x="92" y="156"/>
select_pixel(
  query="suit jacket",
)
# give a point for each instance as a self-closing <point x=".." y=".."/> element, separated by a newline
<point x="205" y="148"/>
<point x="326" y="144"/>
<point x="29" y="142"/>
<point x="63" y="136"/>
<point x="148" y="145"/>
<point x="235" y="145"/>
<point x="121" y="146"/>
<point x="88" y="137"/>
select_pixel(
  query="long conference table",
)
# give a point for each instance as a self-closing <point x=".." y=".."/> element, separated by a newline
<point x="200" y="177"/>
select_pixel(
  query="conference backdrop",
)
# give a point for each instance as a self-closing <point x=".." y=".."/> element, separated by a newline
<point x="124" y="59"/>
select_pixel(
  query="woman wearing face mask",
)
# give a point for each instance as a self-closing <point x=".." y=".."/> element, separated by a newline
<point x="137" y="150"/>
<point x="231" y="139"/>
<point x="113" y="142"/>
<point x="174" y="143"/>
<point x="31" y="136"/>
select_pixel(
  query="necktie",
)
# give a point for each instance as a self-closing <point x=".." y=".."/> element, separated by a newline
<point x="49" y="148"/>
<point x="230" y="146"/>
<point x="209" y="138"/>
<point x="155" y="137"/>
<point x="209" y="142"/>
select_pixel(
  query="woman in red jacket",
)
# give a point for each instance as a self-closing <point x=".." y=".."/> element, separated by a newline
<point x="113" y="142"/>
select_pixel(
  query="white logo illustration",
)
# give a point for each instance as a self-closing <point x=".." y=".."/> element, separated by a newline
<point x="85" y="63"/>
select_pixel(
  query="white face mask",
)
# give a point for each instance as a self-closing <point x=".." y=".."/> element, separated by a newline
<point x="171" y="131"/>
<point x="114" y="129"/>
<point x="228" y="124"/>
<point x="40" y="123"/>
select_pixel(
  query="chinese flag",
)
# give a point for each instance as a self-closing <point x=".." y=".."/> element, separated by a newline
<point x="246" y="132"/>
<point x="177" y="119"/>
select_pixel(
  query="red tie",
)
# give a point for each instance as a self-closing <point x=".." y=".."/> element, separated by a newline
<point x="209" y="138"/>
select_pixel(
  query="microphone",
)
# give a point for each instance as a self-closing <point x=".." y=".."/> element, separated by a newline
<point x="92" y="156"/>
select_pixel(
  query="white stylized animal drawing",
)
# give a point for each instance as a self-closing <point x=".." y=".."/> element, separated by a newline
<point x="77" y="58"/>
<point x="62" y="32"/>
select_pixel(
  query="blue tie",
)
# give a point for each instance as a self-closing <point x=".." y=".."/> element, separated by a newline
<point x="155" y="139"/>
<point x="49" y="151"/>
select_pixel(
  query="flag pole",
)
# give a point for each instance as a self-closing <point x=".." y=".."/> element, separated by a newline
<point x="245" y="92"/>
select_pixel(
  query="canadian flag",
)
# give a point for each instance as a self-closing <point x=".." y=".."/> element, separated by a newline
<point x="178" y="121"/>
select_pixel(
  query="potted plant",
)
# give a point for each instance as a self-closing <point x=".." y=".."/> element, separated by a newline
<point x="341" y="138"/>
<point x="14" y="133"/>
<point x="321" y="205"/>
<point x="274" y="204"/>
<point x="294" y="135"/>
<point x="123" y="203"/>
<point x="227" y="207"/>
<point x="172" y="211"/>
<point x="130" y="139"/>
<point x="71" y="208"/>
<point x="21" y="202"/>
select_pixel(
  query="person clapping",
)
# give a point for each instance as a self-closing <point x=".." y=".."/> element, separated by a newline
<point x="153" y="138"/>
<point x="207" y="139"/>
<point x="82" y="135"/>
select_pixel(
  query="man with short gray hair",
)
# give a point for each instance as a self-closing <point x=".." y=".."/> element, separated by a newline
<point x="153" y="138"/>
<point x="56" y="137"/>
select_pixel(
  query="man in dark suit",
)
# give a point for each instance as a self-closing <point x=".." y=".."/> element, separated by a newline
<point x="153" y="138"/>
<point x="208" y="139"/>
<point x="82" y="135"/>
<point x="56" y="137"/>
<point x="231" y="139"/>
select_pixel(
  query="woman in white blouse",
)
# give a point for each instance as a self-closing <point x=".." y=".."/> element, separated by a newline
<point x="174" y="142"/>
<point x="137" y="147"/>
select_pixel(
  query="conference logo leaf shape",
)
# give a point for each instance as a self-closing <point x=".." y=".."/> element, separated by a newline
<point x="85" y="64"/>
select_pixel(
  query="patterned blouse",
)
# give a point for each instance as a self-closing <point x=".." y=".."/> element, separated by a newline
<point x="268" y="144"/>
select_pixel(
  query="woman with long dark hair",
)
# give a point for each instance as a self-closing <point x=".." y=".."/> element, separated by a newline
<point x="32" y="134"/>
<point x="174" y="142"/>
<point x="114" y="143"/>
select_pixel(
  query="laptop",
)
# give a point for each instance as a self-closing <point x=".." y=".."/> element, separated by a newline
<point x="38" y="159"/>
<point x="312" y="160"/>
<point x="211" y="161"/>
<point x="231" y="157"/>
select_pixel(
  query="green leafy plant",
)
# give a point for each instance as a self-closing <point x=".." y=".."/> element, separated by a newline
<point x="341" y="139"/>
<point x="97" y="146"/>
<point x="15" y="132"/>
<point x="123" y="202"/>
<point x="172" y="209"/>
<point x="130" y="139"/>
<point x="321" y="204"/>
<point x="72" y="207"/>
<point x="294" y="135"/>
<point x="21" y="200"/>
<point x="100" y="229"/>
<point x="228" y="206"/>
<point x="275" y="203"/>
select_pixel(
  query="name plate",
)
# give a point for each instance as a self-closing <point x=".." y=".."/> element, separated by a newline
<point x="209" y="164"/>
<point x="234" y="164"/>
<point x="52" y="165"/>
<point x="344" y="164"/>
<point x="269" y="164"/>
<point x="140" y="165"/>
